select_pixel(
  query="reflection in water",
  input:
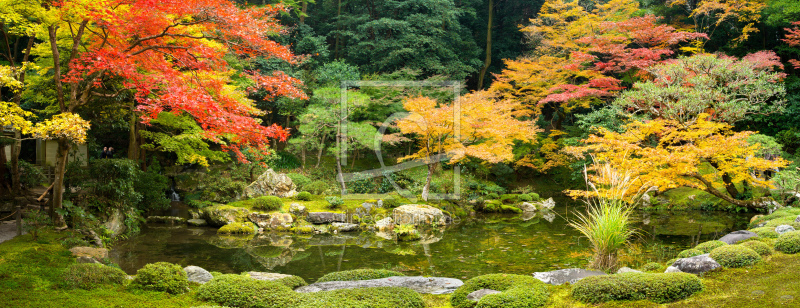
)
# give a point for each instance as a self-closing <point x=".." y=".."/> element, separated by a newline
<point x="518" y="244"/>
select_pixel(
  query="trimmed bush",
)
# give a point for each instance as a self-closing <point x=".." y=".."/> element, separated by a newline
<point x="359" y="274"/>
<point x="316" y="187"/>
<point x="238" y="228"/>
<point x="735" y="256"/>
<point x="535" y="196"/>
<point x="765" y="232"/>
<point x="652" y="267"/>
<point x="162" y="277"/>
<point x="245" y="292"/>
<point x="88" y="276"/>
<point x="303" y="196"/>
<point x="516" y="291"/>
<point x="688" y="253"/>
<point x="268" y="203"/>
<point x="659" y="288"/>
<point x="788" y="242"/>
<point x="364" y="298"/>
<point x="759" y="247"/>
<point x="334" y="202"/>
<point x="707" y="247"/>
<point x="391" y="203"/>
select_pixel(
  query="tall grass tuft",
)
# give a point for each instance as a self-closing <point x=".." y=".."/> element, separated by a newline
<point x="608" y="221"/>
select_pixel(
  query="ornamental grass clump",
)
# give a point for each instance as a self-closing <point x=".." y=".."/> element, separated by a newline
<point x="608" y="221"/>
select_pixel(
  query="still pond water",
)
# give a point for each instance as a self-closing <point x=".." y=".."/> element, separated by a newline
<point x="514" y="244"/>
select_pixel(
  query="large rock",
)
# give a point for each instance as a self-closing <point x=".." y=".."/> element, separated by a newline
<point x="384" y="225"/>
<point x="270" y="183"/>
<point x="570" y="275"/>
<point x="298" y="210"/>
<point x="115" y="222"/>
<point x="695" y="265"/>
<point x="783" y="229"/>
<point x="344" y="227"/>
<point x="737" y="236"/>
<point x="477" y="295"/>
<point x="97" y="253"/>
<point x="262" y="220"/>
<point x="527" y="207"/>
<point x="220" y="215"/>
<point x="197" y="222"/>
<point x="627" y="270"/>
<point x="418" y="214"/>
<point x="197" y="274"/>
<point x="797" y="219"/>
<point x="326" y="217"/>
<point x="428" y="285"/>
<point x="281" y="221"/>
<point x="266" y="276"/>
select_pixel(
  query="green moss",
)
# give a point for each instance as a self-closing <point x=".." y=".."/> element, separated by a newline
<point x="238" y="228"/>
<point x="406" y="233"/>
<point x="293" y="282"/>
<point x="735" y="256"/>
<point x="689" y="253"/>
<point x="245" y="292"/>
<point x="759" y="247"/>
<point x="88" y="276"/>
<point x="495" y="206"/>
<point x="303" y="227"/>
<point x="765" y="232"/>
<point x="303" y="196"/>
<point x="359" y="274"/>
<point x="162" y="277"/>
<point x="788" y="242"/>
<point x="652" y="267"/>
<point x="782" y="215"/>
<point x="524" y="198"/>
<point x="659" y="288"/>
<point x="509" y="198"/>
<point x="516" y="291"/>
<point x="707" y="247"/>
<point x="364" y="298"/>
<point x="267" y="203"/>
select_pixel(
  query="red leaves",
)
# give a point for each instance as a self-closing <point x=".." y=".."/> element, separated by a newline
<point x="793" y="39"/>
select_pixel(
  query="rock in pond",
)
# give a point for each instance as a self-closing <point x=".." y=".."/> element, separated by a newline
<point x="281" y="221"/>
<point x="262" y="220"/>
<point x="783" y="229"/>
<point x="344" y="227"/>
<point x="695" y="265"/>
<point x="220" y="215"/>
<point x="627" y="270"/>
<point x="384" y="225"/>
<point x="197" y="274"/>
<point x="418" y="214"/>
<point x="266" y="276"/>
<point x="428" y="285"/>
<point x="96" y="253"/>
<point x="737" y="236"/>
<point x="197" y="222"/>
<point x="298" y="210"/>
<point x="270" y="183"/>
<point x="526" y="207"/>
<point x="166" y="219"/>
<point x="570" y="275"/>
<point x="326" y="217"/>
<point x="477" y="295"/>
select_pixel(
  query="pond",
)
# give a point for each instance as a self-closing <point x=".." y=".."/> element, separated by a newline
<point x="515" y="244"/>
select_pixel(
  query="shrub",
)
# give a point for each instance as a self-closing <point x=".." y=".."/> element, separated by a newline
<point x="509" y="198"/>
<point x="303" y="196"/>
<point x="707" y="247"/>
<point x="391" y="203"/>
<point x="525" y="198"/>
<point x="765" y="232"/>
<point x="759" y="247"/>
<point x="334" y="202"/>
<point x="316" y="187"/>
<point x="735" y="256"/>
<point x="364" y="298"/>
<point x="29" y="174"/>
<point x="245" y="292"/>
<point x="298" y="179"/>
<point x="88" y="276"/>
<point x="516" y="291"/>
<point x="788" y="242"/>
<point x="688" y="253"/>
<point x="162" y="277"/>
<point x="238" y="228"/>
<point x="359" y="274"/>
<point x="652" y="267"/>
<point x="659" y="288"/>
<point x="268" y="203"/>
<point x="535" y="196"/>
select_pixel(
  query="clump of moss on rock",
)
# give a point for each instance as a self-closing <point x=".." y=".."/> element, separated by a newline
<point x="734" y="256"/>
<point x="788" y="242"/>
<point x="245" y="292"/>
<point x="765" y="232"/>
<point x="364" y="298"/>
<point x="659" y="288"/>
<point x="515" y="291"/>
<point x="759" y="247"/>
<point x="88" y="276"/>
<point x="688" y="253"/>
<point x="238" y="228"/>
<point x="652" y="267"/>
<point x="162" y="277"/>
<point x="707" y="247"/>
<point x="268" y="203"/>
<point x="359" y="274"/>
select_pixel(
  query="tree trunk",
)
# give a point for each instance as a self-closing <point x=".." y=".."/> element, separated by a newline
<point x="709" y="188"/>
<point x="16" y="147"/>
<point x="488" y="59"/>
<point x="730" y="187"/>
<point x="339" y="157"/>
<point x="427" y="187"/>
<point x="58" y="183"/>
<point x="133" y="145"/>
<point x="303" y="12"/>
<point x="3" y="169"/>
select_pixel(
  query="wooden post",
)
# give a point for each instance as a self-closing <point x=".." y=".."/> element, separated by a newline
<point x="19" y="220"/>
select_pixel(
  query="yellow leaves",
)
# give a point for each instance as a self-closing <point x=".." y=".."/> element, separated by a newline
<point x="12" y="115"/>
<point x="69" y="126"/>
<point x="710" y="14"/>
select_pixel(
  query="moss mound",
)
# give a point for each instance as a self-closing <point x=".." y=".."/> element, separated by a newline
<point x="765" y="232"/>
<point x="659" y="288"/>
<point x="88" y="276"/>
<point x="364" y="298"/>
<point x="293" y="282"/>
<point x="688" y="253"/>
<point x="238" y="228"/>
<point x="359" y="274"/>
<point x="707" y="247"/>
<point x="759" y="247"/>
<point x="516" y="291"/>
<point x="303" y="196"/>
<point x="162" y="277"/>
<point x="781" y="215"/>
<point x="245" y="292"/>
<point x="652" y="267"/>
<point x="735" y="256"/>
<point x="788" y="242"/>
<point x="268" y="203"/>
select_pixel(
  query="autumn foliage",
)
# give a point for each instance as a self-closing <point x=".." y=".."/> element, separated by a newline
<point x="793" y="39"/>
